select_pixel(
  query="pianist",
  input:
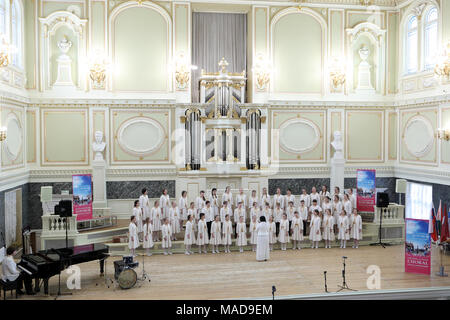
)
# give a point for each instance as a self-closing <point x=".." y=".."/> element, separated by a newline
<point x="11" y="273"/>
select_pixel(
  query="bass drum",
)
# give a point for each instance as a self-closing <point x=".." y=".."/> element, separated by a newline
<point x="127" y="279"/>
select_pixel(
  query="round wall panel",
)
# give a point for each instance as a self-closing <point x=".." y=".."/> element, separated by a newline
<point x="299" y="136"/>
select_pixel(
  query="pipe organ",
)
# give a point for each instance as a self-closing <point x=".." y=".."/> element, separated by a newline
<point x="219" y="131"/>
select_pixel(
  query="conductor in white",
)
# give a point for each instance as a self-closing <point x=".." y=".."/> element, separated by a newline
<point x="262" y="244"/>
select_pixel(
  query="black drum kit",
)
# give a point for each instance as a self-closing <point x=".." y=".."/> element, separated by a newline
<point x="125" y="275"/>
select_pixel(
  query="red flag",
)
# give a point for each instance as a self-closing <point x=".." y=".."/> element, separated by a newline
<point x="432" y="228"/>
<point x="444" y="226"/>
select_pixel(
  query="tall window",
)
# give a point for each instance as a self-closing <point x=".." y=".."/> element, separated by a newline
<point x="16" y="34"/>
<point x="430" y="38"/>
<point x="411" y="45"/>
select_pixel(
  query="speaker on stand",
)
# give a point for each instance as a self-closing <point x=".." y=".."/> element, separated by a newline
<point x="400" y="187"/>
<point x="383" y="203"/>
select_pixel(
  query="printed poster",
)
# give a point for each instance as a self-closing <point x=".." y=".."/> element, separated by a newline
<point x="417" y="247"/>
<point x="82" y="196"/>
<point x="366" y="190"/>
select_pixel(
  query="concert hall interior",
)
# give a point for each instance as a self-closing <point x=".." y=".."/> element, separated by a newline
<point x="224" y="149"/>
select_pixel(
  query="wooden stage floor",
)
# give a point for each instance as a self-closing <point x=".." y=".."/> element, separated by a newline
<point x="239" y="275"/>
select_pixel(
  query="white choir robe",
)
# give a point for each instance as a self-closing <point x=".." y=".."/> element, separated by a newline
<point x="183" y="205"/>
<point x="356" y="227"/>
<point x="227" y="230"/>
<point x="214" y="204"/>
<point x="340" y="195"/>
<point x="267" y="212"/>
<point x="297" y="229"/>
<point x="290" y="213"/>
<point x="348" y="207"/>
<point x="328" y="224"/>
<point x="288" y="199"/>
<point x="137" y="212"/>
<point x="253" y="233"/>
<point x="272" y="233"/>
<point x="314" y="196"/>
<point x="255" y="212"/>
<point x="353" y="200"/>
<point x="156" y="218"/>
<point x="238" y="213"/>
<point x="166" y="241"/>
<point x="241" y="229"/>
<point x="278" y="199"/>
<point x="223" y="212"/>
<point x="132" y="233"/>
<point x="326" y="206"/>
<point x="283" y="236"/>
<point x="262" y="242"/>
<point x="306" y="199"/>
<point x="265" y="199"/>
<point x="337" y="209"/>
<point x="314" y="208"/>
<point x="243" y="198"/>
<point x="216" y="233"/>
<point x="189" y="235"/>
<point x="343" y="225"/>
<point x="202" y="235"/>
<point x="277" y="214"/>
<point x="251" y="200"/>
<point x="199" y="204"/>
<point x="148" y="239"/>
<point x="324" y="195"/>
<point x="144" y="204"/>
<point x="164" y="204"/>
<point x="314" y="227"/>
<point x="228" y="197"/>
<point x="174" y="214"/>
<point x="303" y="212"/>
<point x="209" y="214"/>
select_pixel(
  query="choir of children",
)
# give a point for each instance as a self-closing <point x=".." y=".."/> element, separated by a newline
<point x="209" y="222"/>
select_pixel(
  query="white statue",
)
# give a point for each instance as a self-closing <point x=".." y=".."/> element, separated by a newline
<point x="64" y="45"/>
<point x="337" y="145"/>
<point x="64" y="74"/>
<point x="98" y="146"/>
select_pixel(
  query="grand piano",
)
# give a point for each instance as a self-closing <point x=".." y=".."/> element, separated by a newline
<point x="47" y="263"/>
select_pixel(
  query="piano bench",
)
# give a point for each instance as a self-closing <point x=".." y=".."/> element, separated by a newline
<point x="7" y="286"/>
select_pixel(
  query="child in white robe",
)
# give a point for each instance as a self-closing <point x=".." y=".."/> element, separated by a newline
<point x="253" y="233"/>
<point x="336" y="210"/>
<point x="225" y="210"/>
<point x="283" y="235"/>
<point x="156" y="220"/>
<point x="290" y="210"/>
<point x="133" y="240"/>
<point x="297" y="230"/>
<point x="305" y="197"/>
<point x="227" y="230"/>
<point x="355" y="228"/>
<point x="255" y="211"/>
<point x="192" y="211"/>
<point x="137" y="212"/>
<point x="216" y="234"/>
<point x="272" y="233"/>
<point x="183" y="205"/>
<point x="164" y="203"/>
<point x="144" y="205"/>
<point x="166" y="242"/>
<point x="314" y="196"/>
<point x="189" y="236"/>
<point x="328" y="228"/>
<point x="265" y="198"/>
<point x="303" y="213"/>
<point x="267" y="211"/>
<point x="314" y="227"/>
<point x="278" y="215"/>
<point x="253" y="199"/>
<point x="326" y="204"/>
<point x="343" y="225"/>
<point x="241" y="234"/>
<point x="347" y="204"/>
<point x="148" y="239"/>
<point x="202" y="237"/>
<point x="174" y="214"/>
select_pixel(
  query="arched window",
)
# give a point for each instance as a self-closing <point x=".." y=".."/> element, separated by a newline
<point x="411" y="45"/>
<point x="430" y="38"/>
<point x="16" y="34"/>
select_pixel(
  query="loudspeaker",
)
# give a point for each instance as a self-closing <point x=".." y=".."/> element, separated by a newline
<point x="382" y="200"/>
<point x="66" y="208"/>
<point x="400" y="186"/>
<point x="57" y="210"/>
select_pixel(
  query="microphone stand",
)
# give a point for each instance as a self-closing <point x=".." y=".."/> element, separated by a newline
<point x="325" y="276"/>
<point x="344" y="283"/>
<point x="274" y="289"/>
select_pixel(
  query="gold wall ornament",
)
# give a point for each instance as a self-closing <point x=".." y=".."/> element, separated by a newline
<point x="442" y="68"/>
<point x="98" y="69"/>
<point x="442" y="134"/>
<point x="3" y="134"/>
<point x="262" y="70"/>
<point x="337" y="72"/>
<point x="182" y="71"/>
<point x="5" y="51"/>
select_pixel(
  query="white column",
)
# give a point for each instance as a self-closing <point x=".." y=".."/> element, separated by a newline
<point x="264" y="140"/>
<point x="243" y="141"/>
<point x="230" y="156"/>
<point x="99" y="183"/>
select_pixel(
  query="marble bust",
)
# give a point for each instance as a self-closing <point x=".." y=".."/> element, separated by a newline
<point x="98" y="146"/>
<point x="337" y="145"/>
